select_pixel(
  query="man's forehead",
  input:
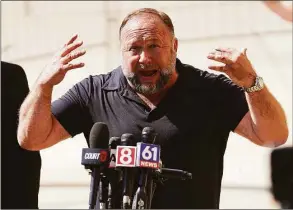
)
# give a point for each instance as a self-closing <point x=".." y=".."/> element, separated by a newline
<point x="144" y="17"/>
<point x="144" y="21"/>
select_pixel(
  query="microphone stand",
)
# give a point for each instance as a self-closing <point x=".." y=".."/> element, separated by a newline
<point x="128" y="175"/>
<point x="149" y="190"/>
<point x="140" y="199"/>
<point x="114" y="174"/>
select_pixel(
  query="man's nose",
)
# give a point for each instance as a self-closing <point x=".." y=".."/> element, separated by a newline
<point x="145" y="57"/>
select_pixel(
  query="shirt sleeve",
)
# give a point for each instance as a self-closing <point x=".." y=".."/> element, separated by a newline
<point x="232" y="102"/>
<point x="72" y="111"/>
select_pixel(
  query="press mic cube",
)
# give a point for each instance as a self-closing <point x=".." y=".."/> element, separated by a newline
<point x="112" y="158"/>
<point x="94" y="157"/>
<point x="148" y="155"/>
<point x="125" y="156"/>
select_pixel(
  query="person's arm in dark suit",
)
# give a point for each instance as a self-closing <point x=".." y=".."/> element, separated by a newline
<point x="22" y="186"/>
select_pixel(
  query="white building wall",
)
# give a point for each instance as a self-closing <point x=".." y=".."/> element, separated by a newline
<point x="33" y="31"/>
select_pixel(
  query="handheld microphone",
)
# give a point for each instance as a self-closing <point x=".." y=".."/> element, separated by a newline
<point x="168" y="173"/>
<point x="113" y="143"/>
<point x="128" y="173"/>
<point x="103" y="192"/>
<point x="114" y="174"/>
<point x="96" y="157"/>
<point x="148" y="156"/>
<point x="110" y="180"/>
<point x="125" y="157"/>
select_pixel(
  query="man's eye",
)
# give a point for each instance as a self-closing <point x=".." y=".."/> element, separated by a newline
<point x="134" y="48"/>
<point x="153" y="45"/>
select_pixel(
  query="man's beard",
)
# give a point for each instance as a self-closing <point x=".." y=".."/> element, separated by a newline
<point x="164" y="78"/>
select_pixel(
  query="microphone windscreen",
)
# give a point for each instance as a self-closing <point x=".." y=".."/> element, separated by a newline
<point x="148" y="130"/>
<point x="114" y="141"/>
<point x="127" y="139"/>
<point x="148" y="135"/>
<point x="99" y="136"/>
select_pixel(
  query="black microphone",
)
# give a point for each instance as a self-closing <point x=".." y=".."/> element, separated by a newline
<point x="143" y="195"/>
<point x="96" y="157"/>
<point x="127" y="139"/>
<point x="105" y="188"/>
<point x="113" y="143"/>
<point x="114" y="174"/>
<point x="103" y="192"/>
<point x="168" y="173"/>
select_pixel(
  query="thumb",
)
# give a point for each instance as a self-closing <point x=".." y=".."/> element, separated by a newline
<point x="243" y="50"/>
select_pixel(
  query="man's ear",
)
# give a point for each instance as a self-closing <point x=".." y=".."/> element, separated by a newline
<point x="175" y="44"/>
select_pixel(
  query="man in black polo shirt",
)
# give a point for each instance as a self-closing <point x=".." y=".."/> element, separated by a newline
<point x="20" y="168"/>
<point x="192" y="111"/>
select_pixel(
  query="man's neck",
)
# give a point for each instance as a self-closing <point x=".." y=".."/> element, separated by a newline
<point x="153" y="100"/>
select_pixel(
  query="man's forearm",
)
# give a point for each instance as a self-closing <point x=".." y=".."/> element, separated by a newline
<point x="281" y="9"/>
<point x="35" y="117"/>
<point x="268" y="117"/>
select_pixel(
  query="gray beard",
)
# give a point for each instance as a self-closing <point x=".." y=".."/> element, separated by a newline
<point x="148" y="89"/>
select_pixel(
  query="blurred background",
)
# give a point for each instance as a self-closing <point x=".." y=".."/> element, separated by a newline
<point x="32" y="31"/>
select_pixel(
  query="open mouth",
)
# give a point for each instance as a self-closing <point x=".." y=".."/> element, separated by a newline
<point x="148" y="73"/>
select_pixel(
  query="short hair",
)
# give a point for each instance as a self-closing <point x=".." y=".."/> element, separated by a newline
<point x="163" y="16"/>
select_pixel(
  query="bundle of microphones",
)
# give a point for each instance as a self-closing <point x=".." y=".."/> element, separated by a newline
<point x="120" y="164"/>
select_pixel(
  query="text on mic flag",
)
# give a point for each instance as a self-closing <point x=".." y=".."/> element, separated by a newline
<point x="143" y="155"/>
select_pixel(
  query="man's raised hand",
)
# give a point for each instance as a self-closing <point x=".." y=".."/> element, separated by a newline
<point x="55" y="71"/>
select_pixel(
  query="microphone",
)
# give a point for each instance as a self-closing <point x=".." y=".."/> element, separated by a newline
<point x="96" y="157"/>
<point x="125" y="157"/>
<point x="148" y="156"/>
<point x="109" y="184"/>
<point x="113" y="143"/>
<point x="128" y="173"/>
<point x="168" y="173"/>
<point x="103" y="192"/>
<point x="114" y="174"/>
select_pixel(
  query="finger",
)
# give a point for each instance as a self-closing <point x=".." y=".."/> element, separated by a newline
<point x="72" y="39"/>
<point x="71" y="66"/>
<point x="222" y="68"/>
<point x="218" y="68"/>
<point x="220" y="57"/>
<point x="70" y="48"/>
<point x="71" y="56"/>
<point x="224" y="49"/>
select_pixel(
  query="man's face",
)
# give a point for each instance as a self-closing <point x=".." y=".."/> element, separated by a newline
<point x="148" y="52"/>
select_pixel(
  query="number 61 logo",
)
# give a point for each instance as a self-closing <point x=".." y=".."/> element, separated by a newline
<point x="148" y="155"/>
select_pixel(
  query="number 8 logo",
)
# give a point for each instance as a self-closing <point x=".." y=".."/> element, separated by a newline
<point x="125" y="157"/>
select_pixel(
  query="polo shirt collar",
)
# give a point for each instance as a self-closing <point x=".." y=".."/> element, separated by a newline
<point x="117" y="80"/>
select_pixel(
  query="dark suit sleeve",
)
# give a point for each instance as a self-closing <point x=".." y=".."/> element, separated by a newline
<point x="21" y="182"/>
<point x="22" y="83"/>
<point x="13" y="77"/>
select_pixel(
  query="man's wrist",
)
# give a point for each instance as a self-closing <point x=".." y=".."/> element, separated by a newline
<point x="44" y="89"/>
<point x="250" y="80"/>
<point x="257" y="85"/>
